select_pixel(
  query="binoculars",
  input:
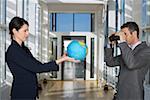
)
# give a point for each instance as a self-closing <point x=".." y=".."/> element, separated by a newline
<point x="113" y="37"/>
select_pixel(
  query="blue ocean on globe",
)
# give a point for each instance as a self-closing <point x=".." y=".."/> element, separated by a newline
<point x="77" y="50"/>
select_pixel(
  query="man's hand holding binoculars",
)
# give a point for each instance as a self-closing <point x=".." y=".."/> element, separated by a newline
<point x="117" y="37"/>
<point x="122" y="36"/>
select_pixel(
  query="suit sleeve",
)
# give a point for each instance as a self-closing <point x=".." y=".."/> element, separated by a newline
<point x="109" y="59"/>
<point x="28" y="62"/>
<point x="142" y="58"/>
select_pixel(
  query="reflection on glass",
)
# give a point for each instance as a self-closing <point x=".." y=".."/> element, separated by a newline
<point x="79" y="70"/>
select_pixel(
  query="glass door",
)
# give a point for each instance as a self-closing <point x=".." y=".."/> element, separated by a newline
<point x="72" y="71"/>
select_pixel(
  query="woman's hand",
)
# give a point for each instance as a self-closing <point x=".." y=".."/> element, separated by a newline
<point x="66" y="58"/>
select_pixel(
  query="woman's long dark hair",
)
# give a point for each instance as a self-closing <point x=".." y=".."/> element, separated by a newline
<point x="16" y="23"/>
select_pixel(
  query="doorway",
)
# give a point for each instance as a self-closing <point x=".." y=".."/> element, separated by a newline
<point x="73" y="71"/>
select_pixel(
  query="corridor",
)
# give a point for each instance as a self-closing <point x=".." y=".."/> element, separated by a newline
<point x="53" y="25"/>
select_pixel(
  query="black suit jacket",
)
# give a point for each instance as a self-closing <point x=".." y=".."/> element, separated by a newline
<point x="24" y="67"/>
<point x="134" y="65"/>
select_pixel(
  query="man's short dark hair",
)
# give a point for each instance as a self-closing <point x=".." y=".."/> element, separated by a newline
<point x="132" y="26"/>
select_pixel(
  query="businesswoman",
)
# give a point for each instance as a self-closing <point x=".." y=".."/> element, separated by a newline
<point x="23" y="65"/>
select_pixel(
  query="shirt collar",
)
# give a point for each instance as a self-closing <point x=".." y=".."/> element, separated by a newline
<point x="134" y="45"/>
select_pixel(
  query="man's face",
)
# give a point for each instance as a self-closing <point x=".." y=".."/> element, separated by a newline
<point x="129" y="35"/>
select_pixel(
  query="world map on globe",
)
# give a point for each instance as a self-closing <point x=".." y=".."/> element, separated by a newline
<point x="77" y="50"/>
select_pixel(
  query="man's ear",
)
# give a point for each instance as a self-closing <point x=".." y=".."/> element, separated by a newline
<point x="14" y="30"/>
<point x="134" y="33"/>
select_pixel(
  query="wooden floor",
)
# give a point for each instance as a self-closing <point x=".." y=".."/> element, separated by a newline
<point x="74" y="90"/>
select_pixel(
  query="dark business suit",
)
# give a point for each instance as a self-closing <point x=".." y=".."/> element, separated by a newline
<point x="24" y="67"/>
<point x="133" y="67"/>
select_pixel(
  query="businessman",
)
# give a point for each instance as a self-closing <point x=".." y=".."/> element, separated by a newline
<point x="134" y="61"/>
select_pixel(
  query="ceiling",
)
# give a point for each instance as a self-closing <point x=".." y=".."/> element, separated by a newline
<point x="76" y="1"/>
<point x="75" y="5"/>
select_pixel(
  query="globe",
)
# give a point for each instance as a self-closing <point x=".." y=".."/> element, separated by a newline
<point x="77" y="50"/>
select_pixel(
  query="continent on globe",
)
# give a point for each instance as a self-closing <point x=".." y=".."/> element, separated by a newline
<point x="77" y="50"/>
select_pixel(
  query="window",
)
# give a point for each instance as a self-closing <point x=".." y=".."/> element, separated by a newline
<point x="92" y="59"/>
<point x="64" y="22"/>
<point x="144" y="13"/>
<point x="148" y="13"/>
<point x="71" y="22"/>
<point x="2" y="41"/>
<point x="53" y="55"/>
<point x="82" y="22"/>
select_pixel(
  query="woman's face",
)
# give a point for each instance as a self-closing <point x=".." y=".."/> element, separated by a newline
<point x="22" y="34"/>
